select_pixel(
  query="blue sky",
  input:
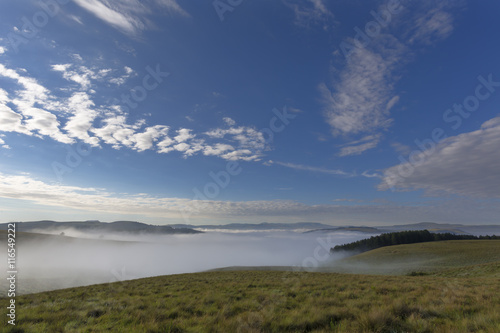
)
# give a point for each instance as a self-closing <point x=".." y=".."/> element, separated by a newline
<point x="169" y="111"/>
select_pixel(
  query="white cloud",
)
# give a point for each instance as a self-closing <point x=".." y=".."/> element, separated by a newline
<point x="183" y="135"/>
<point x="33" y="120"/>
<point x="77" y="19"/>
<point x="11" y="121"/>
<point x="311" y="168"/>
<point x="401" y="148"/>
<point x="4" y="96"/>
<point x="129" y="72"/>
<point x="433" y="25"/>
<point x="61" y="67"/>
<point x="217" y="149"/>
<point x="80" y="74"/>
<point x="34" y="110"/>
<point x="359" y="146"/>
<point x="42" y="122"/>
<point x="245" y="137"/>
<point x="310" y="12"/>
<point x="229" y="121"/>
<point x="360" y="101"/>
<point x="466" y="164"/>
<point x="129" y="16"/>
<point x="110" y="16"/>
<point x="115" y="132"/>
<point x="84" y="114"/>
<point x="2" y="143"/>
<point x="144" y="141"/>
<point x="2" y="50"/>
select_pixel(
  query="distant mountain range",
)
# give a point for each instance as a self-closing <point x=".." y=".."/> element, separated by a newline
<point x="260" y="226"/>
<point x="309" y="227"/>
<point x="94" y="226"/>
<point x="97" y="227"/>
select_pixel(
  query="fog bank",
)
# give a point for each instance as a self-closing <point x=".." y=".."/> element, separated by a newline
<point x="55" y="262"/>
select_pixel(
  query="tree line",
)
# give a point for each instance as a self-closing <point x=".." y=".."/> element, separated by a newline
<point x="402" y="237"/>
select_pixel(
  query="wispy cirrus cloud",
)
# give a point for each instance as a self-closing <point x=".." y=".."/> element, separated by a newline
<point x="360" y="98"/>
<point x="310" y="12"/>
<point x="129" y="16"/>
<point x="360" y="146"/>
<point x="433" y="22"/>
<point x="311" y="168"/>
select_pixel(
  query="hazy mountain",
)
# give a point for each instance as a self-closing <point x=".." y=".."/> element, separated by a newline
<point x="325" y="228"/>
<point x="259" y="226"/>
<point x="368" y="230"/>
<point x="96" y="227"/>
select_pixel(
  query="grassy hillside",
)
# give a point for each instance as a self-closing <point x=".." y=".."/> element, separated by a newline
<point x="267" y="302"/>
<point x="430" y="257"/>
<point x="457" y="298"/>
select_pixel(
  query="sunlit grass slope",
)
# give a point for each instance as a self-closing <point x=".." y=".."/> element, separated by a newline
<point x="461" y="295"/>
<point x="267" y="302"/>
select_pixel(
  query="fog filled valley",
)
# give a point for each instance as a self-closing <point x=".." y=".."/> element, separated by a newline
<point x="47" y="262"/>
<point x="83" y="253"/>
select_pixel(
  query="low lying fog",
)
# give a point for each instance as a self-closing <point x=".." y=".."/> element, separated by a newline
<point x="60" y="262"/>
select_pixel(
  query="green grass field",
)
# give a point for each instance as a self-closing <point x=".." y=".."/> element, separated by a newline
<point x="447" y="300"/>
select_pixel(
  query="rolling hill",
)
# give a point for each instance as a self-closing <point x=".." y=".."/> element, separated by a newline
<point x="429" y="257"/>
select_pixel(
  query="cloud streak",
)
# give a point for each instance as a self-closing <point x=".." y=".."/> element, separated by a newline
<point x="129" y="16"/>
<point x="310" y="12"/>
<point x="311" y="168"/>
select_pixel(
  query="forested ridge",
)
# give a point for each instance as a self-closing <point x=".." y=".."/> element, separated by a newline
<point x="403" y="237"/>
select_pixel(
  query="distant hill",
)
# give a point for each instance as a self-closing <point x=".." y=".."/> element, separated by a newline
<point x="138" y="227"/>
<point x="458" y="229"/>
<point x="368" y="230"/>
<point x="257" y="226"/>
<point x="96" y="227"/>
